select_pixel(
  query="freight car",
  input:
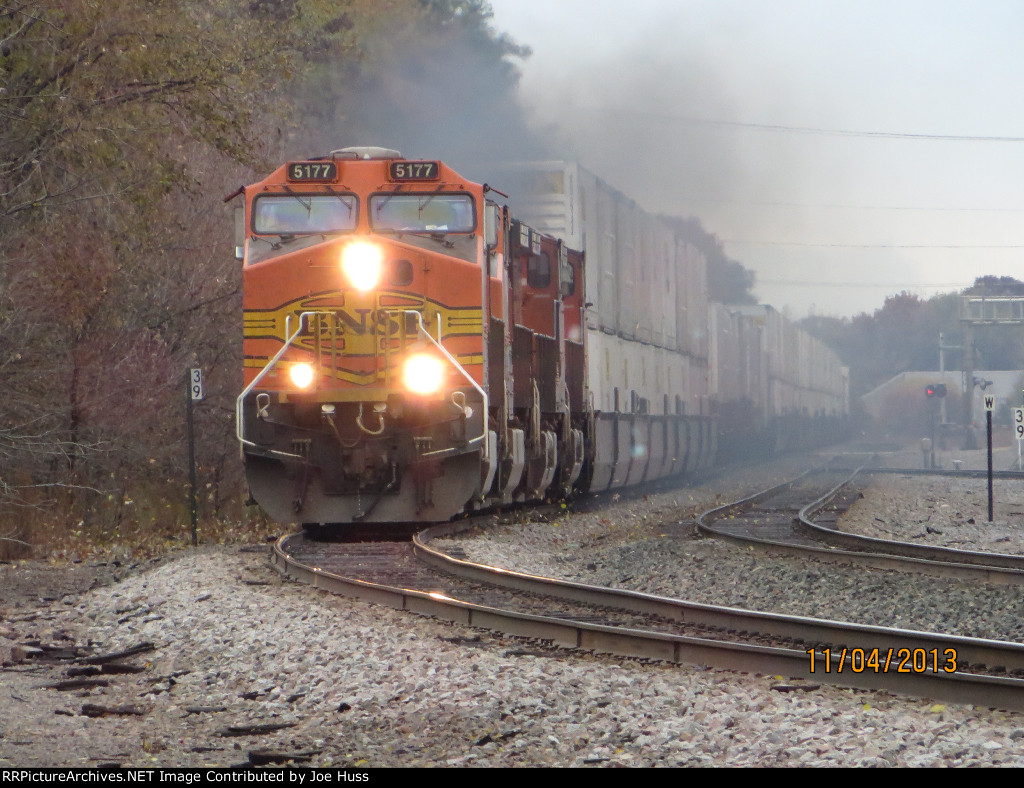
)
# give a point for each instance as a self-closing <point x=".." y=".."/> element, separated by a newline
<point x="768" y="385"/>
<point x="773" y="386"/>
<point x="413" y="350"/>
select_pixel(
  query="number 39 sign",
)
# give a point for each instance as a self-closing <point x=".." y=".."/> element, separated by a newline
<point x="196" y="384"/>
<point x="1018" y="423"/>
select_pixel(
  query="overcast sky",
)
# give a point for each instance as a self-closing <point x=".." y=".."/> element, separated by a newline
<point x="845" y="150"/>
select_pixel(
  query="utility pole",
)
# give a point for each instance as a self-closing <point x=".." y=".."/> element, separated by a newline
<point x="968" y="388"/>
<point x="943" y="347"/>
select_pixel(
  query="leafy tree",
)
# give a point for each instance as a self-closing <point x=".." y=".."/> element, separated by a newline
<point x="436" y="81"/>
<point x="996" y="286"/>
<point x="120" y="118"/>
<point x="124" y="122"/>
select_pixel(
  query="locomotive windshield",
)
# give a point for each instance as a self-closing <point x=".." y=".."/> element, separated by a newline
<point x="422" y="213"/>
<point x="295" y="214"/>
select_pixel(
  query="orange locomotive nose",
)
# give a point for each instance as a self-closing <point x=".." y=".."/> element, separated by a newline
<point x="364" y="339"/>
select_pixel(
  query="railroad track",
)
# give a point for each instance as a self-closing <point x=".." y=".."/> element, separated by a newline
<point x="419" y="578"/>
<point x="800" y="518"/>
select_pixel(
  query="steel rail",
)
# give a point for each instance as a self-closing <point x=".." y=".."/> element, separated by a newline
<point x="906" y="549"/>
<point x="963" y="473"/>
<point x="959" y="687"/>
<point x="946" y="562"/>
<point x="976" y="651"/>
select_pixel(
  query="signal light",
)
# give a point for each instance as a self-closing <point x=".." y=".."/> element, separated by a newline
<point x="935" y="390"/>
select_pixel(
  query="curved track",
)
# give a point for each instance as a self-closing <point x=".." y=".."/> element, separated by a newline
<point x="799" y="518"/>
<point x="421" y="579"/>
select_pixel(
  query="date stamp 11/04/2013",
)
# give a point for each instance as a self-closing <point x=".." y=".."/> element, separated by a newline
<point x="876" y="660"/>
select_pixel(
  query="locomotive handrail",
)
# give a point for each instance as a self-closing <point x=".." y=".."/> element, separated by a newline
<point x="239" y="403"/>
<point x="421" y="331"/>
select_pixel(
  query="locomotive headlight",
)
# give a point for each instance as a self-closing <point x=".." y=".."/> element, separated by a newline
<point x="423" y="374"/>
<point x="362" y="262"/>
<point x="302" y="375"/>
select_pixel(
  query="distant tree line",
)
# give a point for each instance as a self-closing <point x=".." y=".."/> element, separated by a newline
<point x="903" y="336"/>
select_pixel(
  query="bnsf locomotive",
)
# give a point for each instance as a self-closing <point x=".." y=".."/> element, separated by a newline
<point x="413" y="351"/>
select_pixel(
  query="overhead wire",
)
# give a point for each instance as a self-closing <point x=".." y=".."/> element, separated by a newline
<point x="779" y="127"/>
<point x="845" y="132"/>
<point x="841" y="207"/>
<point x="740" y="242"/>
<point x="872" y="285"/>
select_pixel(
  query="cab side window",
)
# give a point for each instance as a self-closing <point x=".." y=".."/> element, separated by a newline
<point x="538" y="270"/>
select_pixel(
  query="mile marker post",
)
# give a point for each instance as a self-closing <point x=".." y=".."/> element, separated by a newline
<point x="194" y="379"/>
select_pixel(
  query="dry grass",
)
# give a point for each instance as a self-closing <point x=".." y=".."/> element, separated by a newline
<point x="137" y="526"/>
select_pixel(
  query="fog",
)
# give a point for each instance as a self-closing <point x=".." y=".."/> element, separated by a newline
<point x="441" y="97"/>
<point x="839" y="150"/>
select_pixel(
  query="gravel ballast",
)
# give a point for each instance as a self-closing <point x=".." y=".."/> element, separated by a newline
<point x="361" y="685"/>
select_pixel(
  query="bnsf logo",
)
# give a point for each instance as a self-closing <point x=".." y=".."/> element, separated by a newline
<point x="359" y="322"/>
<point x="360" y="331"/>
